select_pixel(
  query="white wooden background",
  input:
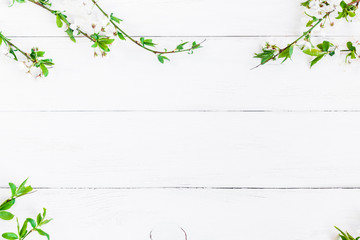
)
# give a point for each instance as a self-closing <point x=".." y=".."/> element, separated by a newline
<point x="120" y="146"/>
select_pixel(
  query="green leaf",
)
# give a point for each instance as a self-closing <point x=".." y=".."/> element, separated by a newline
<point x="306" y="4"/>
<point x="70" y="33"/>
<point x="44" y="213"/>
<point x="325" y="46"/>
<point x="316" y="60"/>
<point x="44" y="70"/>
<point x="106" y="41"/>
<point x="265" y="56"/>
<point x="32" y="222"/>
<point x="12" y="187"/>
<point x="22" y="185"/>
<point x="313" y="52"/>
<point x="112" y="17"/>
<point x="120" y="35"/>
<point x="287" y="53"/>
<point x="42" y="233"/>
<point x="38" y="219"/>
<point x="350" y="46"/>
<point x="147" y="42"/>
<point x="6" y="215"/>
<point x="181" y="46"/>
<point x="23" y="230"/>
<point x="7" y="205"/>
<point x="11" y="51"/>
<point x="195" y="45"/>
<point x="10" y="236"/>
<point x="24" y="190"/>
<point x="343" y="4"/>
<point x="59" y="23"/>
<point x="162" y="58"/>
<point x="46" y="221"/>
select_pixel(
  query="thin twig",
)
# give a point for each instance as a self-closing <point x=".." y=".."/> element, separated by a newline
<point x="137" y="42"/>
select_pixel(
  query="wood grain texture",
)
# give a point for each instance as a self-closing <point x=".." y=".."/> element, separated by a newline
<point x="204" y="214"/>
<point x="181" y="149"/>
<point x="163" y="18"/>
<point x="131" y="79"/>
<point x="120" y="146"/>
<point x="179" y="18"/>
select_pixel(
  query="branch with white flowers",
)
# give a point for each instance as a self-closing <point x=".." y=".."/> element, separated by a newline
<point x="34" y="62"/>
<point x="101" y="30"/>
<point x="320" y="13"/>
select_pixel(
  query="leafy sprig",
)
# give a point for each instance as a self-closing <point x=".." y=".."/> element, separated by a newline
<point x="346" y="235"/>
<point x="147" y="43"/>
<point x="33" y="59"/>
<point x="16" y="192"/>
<point x="103" y="42"/>
<point x="272" y="52"/>
<point x="30" y="225"/>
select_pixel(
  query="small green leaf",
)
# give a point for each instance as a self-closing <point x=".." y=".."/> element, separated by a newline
<point x="181" y="46"/>
<point x="121" y="36"/>
<point x="59" y="23"/>
<point x="23" y="230"/>
<point x="10" y="236"/>
<point x="32" y="222"/>
<point x="44" y="70"/>
<point x="12" y="186"/>
<point x="316" y="60"/>
<point x="287" y="53"/>
<point x="313" y="52"/>
<point x="6" y="215"/>
<point x="162" y="58"/>
<point x="7" y="205"/>
<point x="112" y="17"/>
<point x="38" y="219"/>
<point x="42" y="233"/>
<point x="70" y="33"/>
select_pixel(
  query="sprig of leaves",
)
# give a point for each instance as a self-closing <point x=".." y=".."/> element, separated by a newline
<point x="16" y="192"/>
<point x="321" y="51"/>
<point x="348" y="10"/>
<point x="147" y="43"/>
<point x="30" y="225"/>
<point x="351" y="49"/>
<point x="346" y="236"/>
<point x="102" y="42"/>
<point x="272" y="52"/>
<point x="35" y="58"/>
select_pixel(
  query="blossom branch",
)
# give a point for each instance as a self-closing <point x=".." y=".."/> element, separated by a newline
<point x="56" y="13"/>
<point x="348" y="10"/>
<point x="112" y="21"/>
<point x="35" y="58"/>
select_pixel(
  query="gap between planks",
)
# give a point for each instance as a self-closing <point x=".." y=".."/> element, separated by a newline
<point x="199" y="36"/>
<point x="193" y="188"/>
<point x="186" y="111"/>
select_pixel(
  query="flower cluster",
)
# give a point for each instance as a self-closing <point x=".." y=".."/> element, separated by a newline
<point x="86" y="18"/>
<point x="33" y="62"/>
<point x="318" y="14"/>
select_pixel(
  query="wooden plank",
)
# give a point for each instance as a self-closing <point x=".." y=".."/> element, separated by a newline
<point x="181" y="149"/>
<point x="164" y="18"/>
<point x="178" y="18"/>
<point x="204" y="214"/>
<point x="217" y="77"/>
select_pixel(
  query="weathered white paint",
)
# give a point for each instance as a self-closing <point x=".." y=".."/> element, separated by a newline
<point x="181" y="149"/>
<point x="123" y="144"/>
<point x="217" y="77"/>
<point x="204" y="214"/>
